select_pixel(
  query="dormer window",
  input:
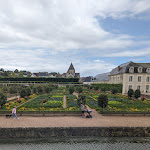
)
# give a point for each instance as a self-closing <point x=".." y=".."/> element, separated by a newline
<point x="131" y="69"/>
<point x="148" y="70"/>
<point x="140" y="70"/>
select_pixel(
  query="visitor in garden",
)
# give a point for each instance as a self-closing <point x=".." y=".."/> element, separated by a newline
<point x="82" y="110"/>
<point x="87" y="111"/>
<point x="14" y="113"/>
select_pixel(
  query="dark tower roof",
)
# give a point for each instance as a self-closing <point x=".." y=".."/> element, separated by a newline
<point x="71" y="67"/>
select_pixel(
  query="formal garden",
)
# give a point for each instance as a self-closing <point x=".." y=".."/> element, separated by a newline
<point x="49" y="98"/>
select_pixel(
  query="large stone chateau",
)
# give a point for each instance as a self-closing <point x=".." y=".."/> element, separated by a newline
<point x="131" y="75"/>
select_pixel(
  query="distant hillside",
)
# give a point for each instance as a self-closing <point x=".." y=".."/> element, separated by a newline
<point x="102" y="77"/>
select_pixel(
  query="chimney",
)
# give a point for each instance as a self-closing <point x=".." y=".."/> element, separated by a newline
<point x="118" y="68"/>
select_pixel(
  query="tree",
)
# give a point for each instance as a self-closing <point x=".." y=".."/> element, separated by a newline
<point x="40" y="89"/>
<point x="137" y="93"/>
<point x="23" y="92"/>
<point x="114" y="90"/>
<point x="16" y="71"/>
<point x="130" y="93"/>
<point x="71" y="90"/>
<point x="13" y="89"/>
<point x="3" y="98"/>
<point x="102" y="100"/>
<point x="79" y="89"/>
<point x="81" y="99"/>
<point x="2" y="69"/>
<point x="47" y="88"/>
<point x="28" y="91"/>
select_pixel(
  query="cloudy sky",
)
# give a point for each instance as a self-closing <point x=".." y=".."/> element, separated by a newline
<point x="95" y="35"/>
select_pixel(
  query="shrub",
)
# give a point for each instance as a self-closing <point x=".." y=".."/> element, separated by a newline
<point x="5" y="89"/>
<point x="18" y="100"/>
<point x="137" y="93"/>
<point x="71" y="90"/>
<point x="143" y="98"/>
<point x="130" y="93"/>
<point x="3" y="98"/>
<point x="114" y="90"/>
<point x="102" y="100"/>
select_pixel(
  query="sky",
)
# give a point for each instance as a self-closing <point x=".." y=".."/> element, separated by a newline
<point x="95" y="35"/>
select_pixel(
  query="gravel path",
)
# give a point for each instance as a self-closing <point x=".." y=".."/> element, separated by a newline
<point x="14" y="97"/>
<point x="64" y="101"/>
<point x="76" y="121"/>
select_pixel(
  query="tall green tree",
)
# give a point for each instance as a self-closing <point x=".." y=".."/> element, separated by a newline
<point x="102" y="100"/>
<point x="3" y="98"/>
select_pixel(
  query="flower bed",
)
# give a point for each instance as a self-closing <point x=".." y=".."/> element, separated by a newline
<point x="9" y="106"/>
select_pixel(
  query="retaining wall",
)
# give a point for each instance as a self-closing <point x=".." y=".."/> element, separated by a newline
<point x="51" y="132"/>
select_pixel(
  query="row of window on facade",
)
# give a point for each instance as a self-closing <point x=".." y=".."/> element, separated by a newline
<point x="139" y="79"/>
<point x="115" y="78"/>
<point x="139" y="87"/>
<point x="140" y="69"/>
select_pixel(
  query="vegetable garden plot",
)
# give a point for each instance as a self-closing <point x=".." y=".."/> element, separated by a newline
<point x="44" y="101"/>
<point x="91" y="102"/>
<point x="72" y="101"/>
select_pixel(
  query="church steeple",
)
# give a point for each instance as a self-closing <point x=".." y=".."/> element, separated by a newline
<point x="71" y="67"/>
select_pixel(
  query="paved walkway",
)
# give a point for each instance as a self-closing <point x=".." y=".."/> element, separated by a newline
<point x="14" y="97"/>
<point x="64" y="101"/>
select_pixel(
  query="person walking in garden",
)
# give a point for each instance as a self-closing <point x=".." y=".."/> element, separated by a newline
<point x="82" y="110"/>
<point x="14" y="113"/>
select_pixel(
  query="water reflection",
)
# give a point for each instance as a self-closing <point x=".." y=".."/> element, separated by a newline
<point x="76" y="144"/>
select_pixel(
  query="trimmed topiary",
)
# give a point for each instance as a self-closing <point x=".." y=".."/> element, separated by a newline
<point x="130" y="93"/>
<point x="79" y="89"/>
<point x="71" y="90"/>
<point x="137" y="93"/>
<point x="102" y="100"/>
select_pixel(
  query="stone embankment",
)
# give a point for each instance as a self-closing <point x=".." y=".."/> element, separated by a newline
<point x="54" y="132"/>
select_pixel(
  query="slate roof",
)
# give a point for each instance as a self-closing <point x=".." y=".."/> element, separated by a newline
<point x="124" y="68"/>
<point x="77" y="74"/>
<point x="87" y="79"/>
<point x="43" y="74"/>
<point x="102" y="77"/>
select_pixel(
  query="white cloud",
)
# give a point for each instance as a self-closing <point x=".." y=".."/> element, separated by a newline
<point x="48" y="34"/>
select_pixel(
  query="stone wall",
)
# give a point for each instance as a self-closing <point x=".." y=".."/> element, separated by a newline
<point x="54" y="132"/>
